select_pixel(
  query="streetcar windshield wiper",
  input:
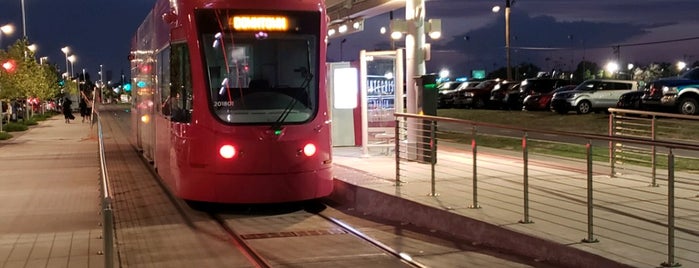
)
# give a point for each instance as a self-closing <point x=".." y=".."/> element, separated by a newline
<point x="307" y="78"/>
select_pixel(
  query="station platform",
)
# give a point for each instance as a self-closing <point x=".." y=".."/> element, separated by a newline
<point x="50" y="210"/>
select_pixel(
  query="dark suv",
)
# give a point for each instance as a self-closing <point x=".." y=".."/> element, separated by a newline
<point x="477" y="96"/>
<point x="678" y="93"/>
<point x="536" y="87"/>
<point x="446" y="94"/>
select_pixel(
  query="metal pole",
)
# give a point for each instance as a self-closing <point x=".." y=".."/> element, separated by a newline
<point x="414" y="65"/>
<point x="474" y="149"/>
<point x="590" y="238"/>
<point x="653" y="153"/>
<point x="612" y="155"/>
<point x="507" y="38"/>
<point x="24" y="22"/>
<point x="525" y="160"/>
<point x="433" y="155"/>
<point x="363" y="103"/>
<point x="397" y="151"/>
<point x="670" y="212"/>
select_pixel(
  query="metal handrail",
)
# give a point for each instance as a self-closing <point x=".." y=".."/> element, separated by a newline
<point x="422" y="132"/>
<point x="643" y="141"/>
<point x="108" y="224"/>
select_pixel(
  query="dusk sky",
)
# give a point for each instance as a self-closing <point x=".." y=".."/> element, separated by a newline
<point x="549" y="33"/>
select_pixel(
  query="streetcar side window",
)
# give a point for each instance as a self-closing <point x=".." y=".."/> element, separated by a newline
<point x="180" y="84"/>
<point x="163" y="74"/>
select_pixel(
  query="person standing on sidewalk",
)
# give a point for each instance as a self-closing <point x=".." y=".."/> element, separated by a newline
<point x="84" y="111"/>
<point x="67" y="112"/>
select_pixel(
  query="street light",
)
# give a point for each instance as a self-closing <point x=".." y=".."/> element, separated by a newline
<point x="508" y="4"/>
<point x="612" y="67"/>
<point x="6" y="29"/>
<point x="72" y="60"/>
<point x="65" y="51"/>
<point x="31" y="48"/>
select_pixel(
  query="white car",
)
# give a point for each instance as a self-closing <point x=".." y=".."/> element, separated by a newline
<point x="592" y="95"/>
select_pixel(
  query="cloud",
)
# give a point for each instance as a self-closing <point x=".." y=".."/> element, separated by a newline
<point x="533" y="39"/>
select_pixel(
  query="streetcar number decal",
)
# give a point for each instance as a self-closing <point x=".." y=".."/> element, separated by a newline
<point x="223" y="104"/>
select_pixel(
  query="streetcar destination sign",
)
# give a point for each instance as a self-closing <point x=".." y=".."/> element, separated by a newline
<point x="259" y="23"/>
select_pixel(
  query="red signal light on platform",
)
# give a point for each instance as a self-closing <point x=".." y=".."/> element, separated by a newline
<point x="309" y="149"/>
<point x="9" y="65"/>
<point x="227" y="151"/>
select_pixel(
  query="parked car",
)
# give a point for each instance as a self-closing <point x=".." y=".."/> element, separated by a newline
<point x="631" y="100"/>
<point x="678" y="93"/>
<point x="446" y="96"/>
<point x="505" y="95"/>
<point x="592" y="95"/>
<point x="477" y="96"/>
<point x="541" y="86"/>
<point x="542" y="100"/>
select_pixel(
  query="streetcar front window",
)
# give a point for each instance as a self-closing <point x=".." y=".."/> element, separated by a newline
<point x="261" y="76"/>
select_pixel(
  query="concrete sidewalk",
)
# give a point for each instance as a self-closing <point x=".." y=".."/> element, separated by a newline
<point x="49" y="197"/>
<point x="630" y="218"/>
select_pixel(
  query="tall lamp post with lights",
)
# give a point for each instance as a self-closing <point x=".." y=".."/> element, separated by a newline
<point x="508" y="4"/>
<point x="72" y="60"/>
<point x="65" y="51"/>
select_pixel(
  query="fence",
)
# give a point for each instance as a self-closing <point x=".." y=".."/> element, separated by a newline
<point x="106" y="198"/>
<point x="566" y="180"/>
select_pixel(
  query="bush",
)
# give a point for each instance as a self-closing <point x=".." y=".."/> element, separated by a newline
<point x="41" y="117"/>
<point x="14" y="126"/>
<point x="4" y="135"/>
<point x="29" y="122"/>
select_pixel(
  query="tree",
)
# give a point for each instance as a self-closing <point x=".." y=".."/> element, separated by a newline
<point x="585" y="70"/>
<point x="29" y="79"/>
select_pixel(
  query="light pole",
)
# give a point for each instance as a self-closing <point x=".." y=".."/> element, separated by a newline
<point x="24" y="22"/>
<point x="507" y="38"/>
<point x="508" y="4"/>
<point x="72" y="60"/>
<point x="65" y="51"/>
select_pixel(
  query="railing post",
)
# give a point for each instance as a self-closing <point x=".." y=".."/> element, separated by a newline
<point x="108" y="234"/>
<point x="653" y="153"/>
<point x="433" y="156"/>
<point x="612" y="146"/>
<point x="590" y="238"/>
<point x="474" y="150"/>
<point x="525" y="171"/>
<point x="396" y="151"/>
<point x="670" y="212"/>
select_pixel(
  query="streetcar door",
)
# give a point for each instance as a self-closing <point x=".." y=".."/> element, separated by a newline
<point x="344" y="92"/>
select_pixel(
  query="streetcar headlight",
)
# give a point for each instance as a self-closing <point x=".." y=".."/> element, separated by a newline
<point x="227" y="151"/>
<point x="309" y="149"/>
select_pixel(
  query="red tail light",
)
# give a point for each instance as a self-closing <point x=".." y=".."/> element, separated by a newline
<point x="227" y="151"/>
<point x="309" y="149"/>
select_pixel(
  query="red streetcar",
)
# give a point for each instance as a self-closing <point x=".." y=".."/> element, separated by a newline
<point x="229" y="99"/>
